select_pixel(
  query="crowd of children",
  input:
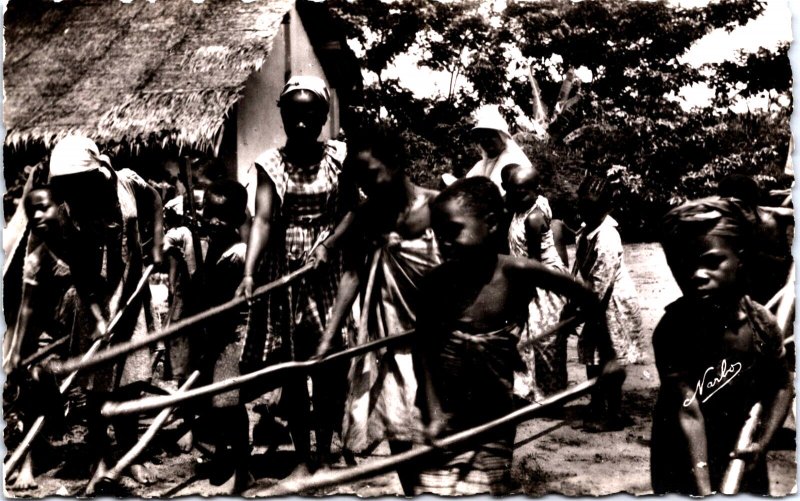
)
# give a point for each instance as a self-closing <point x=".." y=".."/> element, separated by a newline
<point x="479" y="271"/>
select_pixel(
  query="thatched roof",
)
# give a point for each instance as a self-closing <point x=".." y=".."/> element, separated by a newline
<point x="144" y="73"/>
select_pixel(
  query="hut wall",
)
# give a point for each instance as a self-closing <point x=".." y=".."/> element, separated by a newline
<point x="258" y="120"/>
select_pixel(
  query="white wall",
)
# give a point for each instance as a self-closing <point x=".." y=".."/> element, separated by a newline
<point x="258" y="120"/>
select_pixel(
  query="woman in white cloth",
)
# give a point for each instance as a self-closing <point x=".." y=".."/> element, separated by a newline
<point x="498" y="149"/>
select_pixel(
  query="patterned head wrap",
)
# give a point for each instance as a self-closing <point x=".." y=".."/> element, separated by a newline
<point x="74" y="155"/>
<point x="714" y="216"/>
<point x="314" y="85"/>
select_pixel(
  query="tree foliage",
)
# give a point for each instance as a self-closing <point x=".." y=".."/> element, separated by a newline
<point x="628" y="122"/>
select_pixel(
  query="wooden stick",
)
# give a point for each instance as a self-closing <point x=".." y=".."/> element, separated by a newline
<point x="126" y="460"/>
<point x="276" y="371"/>
<point x="735" y="472"/>
<point x="177" y="328"/>
<point x="454" y="442"/>
<point x="50" y="348"/>
<point x="19" y="453"/>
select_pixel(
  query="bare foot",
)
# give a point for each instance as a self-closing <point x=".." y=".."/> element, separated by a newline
<point x="99" y="473"/>
<point x="186" y="442"/>
<point x="25" y="480"/>
<point x="142" y="474"/>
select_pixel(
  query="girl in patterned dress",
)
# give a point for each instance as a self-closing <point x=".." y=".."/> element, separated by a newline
<point x="530" y="235"/>
<point x="392" y="247"/>
<point x="299" y="205"/>
<point x="599" y="264"/>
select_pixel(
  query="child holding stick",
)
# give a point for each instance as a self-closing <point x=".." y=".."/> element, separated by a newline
<point x="599" y="264"/>
<point x="223" y="214"/>
<point x="470" y="314"/>
<point x="45" y="314"/>
<point x="717" y="353"/>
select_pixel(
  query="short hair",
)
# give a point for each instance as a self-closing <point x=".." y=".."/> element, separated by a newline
<point x="508" y="171"/>
<point x="386" y="146"/>
<point x="598" y="189"/>
<point x="740" y="186"/>
<point x="235" y="196"/>
<point x="479" y="195"/>
<point x="26" y="202"/>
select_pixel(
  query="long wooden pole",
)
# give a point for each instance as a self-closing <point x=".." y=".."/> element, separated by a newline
<point x="328" y="478"/>
<point x="50" y="348"/>
<point x="735" y="472"/>
<point x="175" y="329"/>
<point x="147" y="437"/>
<point x="38" y="423"/>
<point x="276" y="371"/>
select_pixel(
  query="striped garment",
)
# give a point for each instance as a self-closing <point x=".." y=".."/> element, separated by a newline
<point x="483" y="470"/>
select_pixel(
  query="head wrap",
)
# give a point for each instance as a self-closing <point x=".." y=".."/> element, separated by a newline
<point x="74" y="155"/>
<point x="714" y="216"/>
<point x="314" y="85"/>
<point x="489" y="117"/>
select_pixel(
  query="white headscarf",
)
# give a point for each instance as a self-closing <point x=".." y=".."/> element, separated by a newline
<point x="76" y="154"/>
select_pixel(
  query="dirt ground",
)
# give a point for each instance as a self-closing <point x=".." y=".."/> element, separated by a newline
<point x="551" y="455"/>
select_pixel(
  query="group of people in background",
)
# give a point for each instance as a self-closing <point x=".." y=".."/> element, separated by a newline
<point x="479" y="270"/>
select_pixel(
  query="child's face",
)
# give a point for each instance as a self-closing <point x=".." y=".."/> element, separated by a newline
<point x="591" y="210"/>
<point x="521" y="189"/>
<point x="302" y="117"/>
<point x="219" y="217"/>
<point x="708" y="269"/>
<point x="42" y="211"/>
<point x="460" y="234"/>
<point x="374" y="177"/>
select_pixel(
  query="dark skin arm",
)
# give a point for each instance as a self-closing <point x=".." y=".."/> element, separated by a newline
<point x="21" y="330"/>
<point x="345" y="297"/>
<point x="320" y="254"/>
<point x="152" y="210"/>
<point x="535" y="226"/>
<point x="530" y="275"/>
<point x="692" y="424"/>
<point x="266" y="199"/>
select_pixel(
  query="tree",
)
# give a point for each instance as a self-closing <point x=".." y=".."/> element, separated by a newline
<point x="627" y="122"/>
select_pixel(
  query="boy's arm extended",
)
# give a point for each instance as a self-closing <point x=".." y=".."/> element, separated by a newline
<point x="533" y="275"/>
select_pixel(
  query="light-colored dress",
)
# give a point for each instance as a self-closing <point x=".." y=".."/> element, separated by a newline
<point x="545" y="359"/>
<point x="599" y="263"/>
<point x="381" y="399"/>
<point x="308" y="207"/>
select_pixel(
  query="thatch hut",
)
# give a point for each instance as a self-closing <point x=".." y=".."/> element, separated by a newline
<point x="165" y="75"/>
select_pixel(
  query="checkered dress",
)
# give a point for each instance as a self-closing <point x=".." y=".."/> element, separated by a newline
<point x="309" y="208"/>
